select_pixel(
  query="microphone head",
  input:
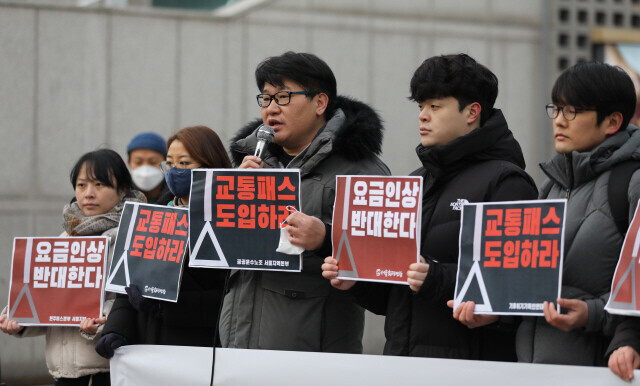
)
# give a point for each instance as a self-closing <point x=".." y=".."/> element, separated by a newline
<point x="265" y="133"/>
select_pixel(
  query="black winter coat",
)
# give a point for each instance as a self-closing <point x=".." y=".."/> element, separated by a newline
<point x="189" y="322"/>
<point x="482" y="166"/>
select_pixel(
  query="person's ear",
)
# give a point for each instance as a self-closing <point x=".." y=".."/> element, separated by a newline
<point x="322" y="101"/>
<point x="612" y="123"/>
<point x="474" y="113"/>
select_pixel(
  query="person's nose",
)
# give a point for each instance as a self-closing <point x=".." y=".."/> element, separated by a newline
<point x="90" y="192"/>
<point x="424" y="115"/>
<point x="560" y="120"/>
<point x="273" y="107"/>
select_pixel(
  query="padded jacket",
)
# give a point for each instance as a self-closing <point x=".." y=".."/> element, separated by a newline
<point x="301" y="311"/>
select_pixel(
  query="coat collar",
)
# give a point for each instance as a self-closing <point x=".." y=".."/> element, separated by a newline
<point x="576" y="168"/>
<point x="491" y="141"/>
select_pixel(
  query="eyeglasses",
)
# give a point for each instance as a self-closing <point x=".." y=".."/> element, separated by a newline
<point x="569" y="112"/>
<point x="181" y="167"/>
<point x="282" y="98"/>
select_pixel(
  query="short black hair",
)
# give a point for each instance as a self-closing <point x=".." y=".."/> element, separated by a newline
<point x="596" y="85"/>
<point x="308" y="70"/>
<point x="458" y="76"/>
<point x="106" y="166"/>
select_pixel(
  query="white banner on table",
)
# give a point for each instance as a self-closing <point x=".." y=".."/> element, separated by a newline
<point x="179" y="365"/>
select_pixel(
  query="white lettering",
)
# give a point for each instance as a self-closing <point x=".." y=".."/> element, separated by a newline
<point x="155" y="290"/>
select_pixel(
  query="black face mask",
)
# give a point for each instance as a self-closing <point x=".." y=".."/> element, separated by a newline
<point x="179" y="181"/>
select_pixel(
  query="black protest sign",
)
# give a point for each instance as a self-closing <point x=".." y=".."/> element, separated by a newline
<point x="149" y="250"/>
<point x="510" y="258"/>
<point x="235" y="218"/>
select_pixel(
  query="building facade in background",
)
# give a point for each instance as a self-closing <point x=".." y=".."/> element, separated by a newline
<point x="83" y="74"/>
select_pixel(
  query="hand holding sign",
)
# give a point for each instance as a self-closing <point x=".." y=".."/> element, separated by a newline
<point x="305" y="231"/>
<point x="464" y="314"/>
<point x="9" y="326"/>
<point x="330" y="271"/>
<point x="90" y="325"/>
<point x="576" y="317"/>
<point x="417" y="274"/>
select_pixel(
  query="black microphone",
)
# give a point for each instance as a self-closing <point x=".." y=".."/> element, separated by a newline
<point x="265" y="136"/>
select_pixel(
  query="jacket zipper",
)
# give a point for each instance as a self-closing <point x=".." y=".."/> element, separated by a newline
<point x="568" y="159"/>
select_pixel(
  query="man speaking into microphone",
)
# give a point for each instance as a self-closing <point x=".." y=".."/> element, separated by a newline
<point x="323" y="135"/>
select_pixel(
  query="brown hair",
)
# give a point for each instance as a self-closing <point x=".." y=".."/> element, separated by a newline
<point x="203" y="145"/>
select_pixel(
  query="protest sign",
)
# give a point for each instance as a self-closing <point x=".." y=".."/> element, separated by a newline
<point x="510" y="258"/>
<point x="235" y="218"/>
<point x="57" y="281"/>
<point x="376" y="227"/>
<point x="625" y="288"/>
<point x="149" y="250"/>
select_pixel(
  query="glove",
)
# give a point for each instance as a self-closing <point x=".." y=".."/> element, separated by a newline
<point x="141" y="303"/>
<point x="108" y="343"/>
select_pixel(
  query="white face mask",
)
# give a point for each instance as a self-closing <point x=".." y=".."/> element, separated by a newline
<point x="147" y="177"/>
<point x="285" y="246"/>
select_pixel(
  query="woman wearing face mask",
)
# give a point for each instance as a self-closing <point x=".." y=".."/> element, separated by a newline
<point x="146" y="152"/>
<point x="102" y="185"/>
<point x="193" y="319"/>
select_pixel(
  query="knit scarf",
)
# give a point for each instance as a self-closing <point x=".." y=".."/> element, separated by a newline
<point x="77" y="224"/>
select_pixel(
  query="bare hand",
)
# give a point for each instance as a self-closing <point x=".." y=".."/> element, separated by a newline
<point x="577" y="316"/>
<point x="305" y="231"/>
<point x="251" y="162"/>
<point x="90" y="325"/>
<point x="330" y="271"/>
<point x="464" y="314"/>
<point x="9" y="326"/>
<point x="417" y="273"/>
<point x="622" y="362"/>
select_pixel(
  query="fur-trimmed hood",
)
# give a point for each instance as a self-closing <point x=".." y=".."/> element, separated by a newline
<point x="359" y="134"/>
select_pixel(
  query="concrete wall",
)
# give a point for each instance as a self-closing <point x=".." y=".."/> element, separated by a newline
<point x="74" y="79"/>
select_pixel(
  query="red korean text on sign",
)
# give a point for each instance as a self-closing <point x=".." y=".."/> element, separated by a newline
<point x="252" y="215"/>
<point x="551" y="222"/>
<point x="515" y="238"/>
<point x="286" y="186"/>
<point x="152" y="240"/>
